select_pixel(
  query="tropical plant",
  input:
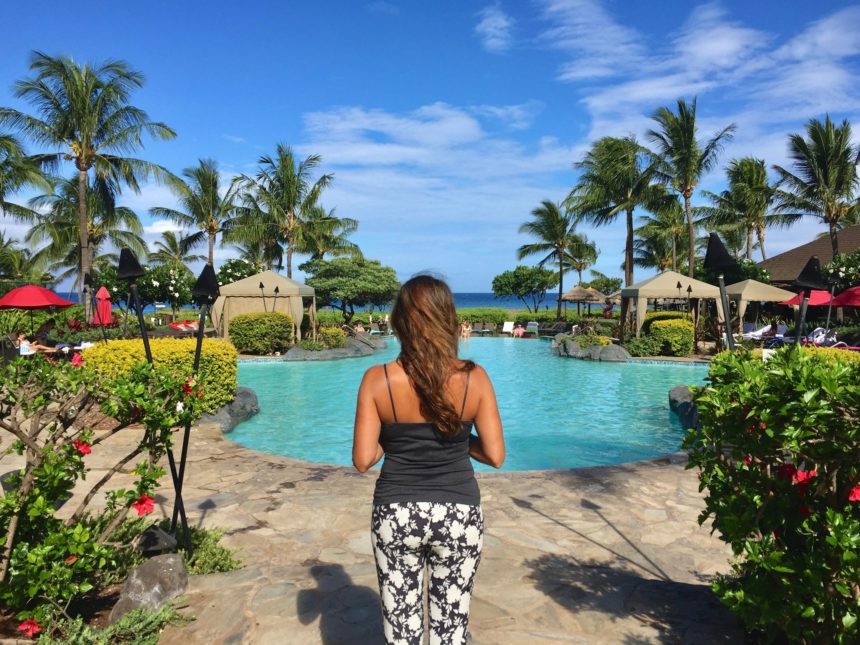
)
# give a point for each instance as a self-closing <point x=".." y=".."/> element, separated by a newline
<point x="276" y="201"/>
<point x="555" y="230"/>
<point x="18" y="264"/>
<point x="746" y="204"/>
<point x="86" y="111"/>
<point x="16" y="171"/>
<point x="668" y="223"/>
<point x="347" y="283"/>
<point x="825" y="179"/>
<point x="603" y="282"/>
<point x="617" y="176"/>
<point x="173" y="248"/>
<point x="652" y="250"/>
<point x="580" y="254"/>
<point x="235" y="270"/>
<point x="684" y="158"/>
<point x="205" y="206"/>
<point x="56" y="221"/>
<point x="252" y="253"/>
<point x="323" y="233"/>
<point x="529" y="284"/>
<point x="844" y="271"/>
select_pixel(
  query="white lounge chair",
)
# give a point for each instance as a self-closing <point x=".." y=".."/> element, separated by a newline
<point x="508" y="327"/>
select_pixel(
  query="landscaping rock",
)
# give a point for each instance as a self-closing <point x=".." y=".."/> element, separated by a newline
<point x="153" y="540"/>
<point x="681" y="402"/>
<point x="151" y="585"/>
<point x="354" y="348"/>
<point x="614" y="354"/>
<point x="609" y="353"/>
<point x="243" y="406"/>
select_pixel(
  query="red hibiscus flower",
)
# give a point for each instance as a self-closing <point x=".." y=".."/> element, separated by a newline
<point x="748" y="460"/>
<point x="188" y="385"/>
<point x="144" y="505"/>
<point x="82" y="447"/>
<point x="786" y="471"/>
<point x="30" y="628"/>
<point x="854" y="495"/>
<point x="77" y="360"/>
<point x="805" y="510"/>
<point x="71" y="559"/>
<point x="762" y="425"/>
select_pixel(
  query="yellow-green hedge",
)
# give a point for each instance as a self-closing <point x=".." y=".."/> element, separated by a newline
<point x="333" y="337"/>
<point x="675" y="336"/>
<point x="217" y="363"/>
<point x="830" y="353"/>
<point x="261" y="332"/>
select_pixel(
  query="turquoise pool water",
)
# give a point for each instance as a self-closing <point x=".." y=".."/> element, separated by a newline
<point x="557" y="412"/>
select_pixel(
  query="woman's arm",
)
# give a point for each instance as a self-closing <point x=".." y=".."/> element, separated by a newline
<point x="489" y="446"/>
<point x="366" y="450"/>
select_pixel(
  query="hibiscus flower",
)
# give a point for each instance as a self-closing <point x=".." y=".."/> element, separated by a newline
<point x="71" y="559"/>
<point x="77" y="360"/>
<point x="144" y="505"/>
<point x="30" y="628"/>
<point x="82" y="447"/>
<point x="854" y="495"/>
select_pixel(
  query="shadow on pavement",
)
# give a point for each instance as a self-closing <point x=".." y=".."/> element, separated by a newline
<point x="347" y="613"/>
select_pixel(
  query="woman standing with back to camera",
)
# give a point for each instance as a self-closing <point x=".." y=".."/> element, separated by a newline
<point x="418" y="412"/>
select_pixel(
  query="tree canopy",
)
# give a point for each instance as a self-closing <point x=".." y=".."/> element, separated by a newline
<point x="347" y="283"/>
<point x="529" y="284"/>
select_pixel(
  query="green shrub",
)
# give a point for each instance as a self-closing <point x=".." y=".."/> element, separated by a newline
<point x="646" y="345"/>
<point x="654" y="316"/>
<point x="591" y="340"/>
<point x="139" y="626"/>
<point x="217" y="363"/>
<point x="333" y="337"/>
<point x="777" y="453"/>
<point x="208" y="554"/>
<point x="312" y="345"/>
<point x="495" y="315"/>
<point x="261" y="333"/>
<point x="675" y="336"/>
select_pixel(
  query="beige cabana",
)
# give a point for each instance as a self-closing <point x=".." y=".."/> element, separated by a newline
<point x="266" y="291"/>
<point x="754" y="291"/>
<point x="665" y="285"/>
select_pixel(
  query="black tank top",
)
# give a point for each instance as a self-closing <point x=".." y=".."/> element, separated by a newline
<point x="424" y="465"/>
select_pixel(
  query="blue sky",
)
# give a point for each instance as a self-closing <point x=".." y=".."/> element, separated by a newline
<point x="446" y="123"/>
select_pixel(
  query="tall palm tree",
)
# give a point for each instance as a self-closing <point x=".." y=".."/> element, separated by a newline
<point x="16" y="171"/>
<point x="173" y="249"/>
<point x="322" y="232"/>
<point x="56" y="222"/>
<point x="85" y="111"/>
<point x="205" y="206"/>
<point x="253" y="252"/>
<point x="826" y="176"/>
<point x="667" y="222"/>
<point x="685" y="158"/>
<point x="653" y="251"/>
<point x="555" y="230"/>
<point x="746" y="204"/>
<point x="276" y="201"/>
<point x="580" y="254"/>
<point x="617" y="176"/>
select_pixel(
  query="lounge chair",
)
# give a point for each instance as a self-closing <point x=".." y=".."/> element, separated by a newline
<point x="490" y="328"/>
<point x="477" y="328"/>
<point x="508" y="327"/>
<point x="374" y="329"/>
<point x="532" y="328"/>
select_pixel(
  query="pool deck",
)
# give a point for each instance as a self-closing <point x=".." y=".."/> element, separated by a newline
<point x="600" y="555"/>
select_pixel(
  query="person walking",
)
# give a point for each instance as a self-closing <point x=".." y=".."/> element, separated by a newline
<point x="418" y="412"/>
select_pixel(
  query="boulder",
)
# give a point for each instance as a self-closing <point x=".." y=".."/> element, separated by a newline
<point x="150" y="585"/>
<point x="354" y="348"/>
<point x="681" y="403"/>
<point x="243" y="406"/>
<point x="614" y="354"/>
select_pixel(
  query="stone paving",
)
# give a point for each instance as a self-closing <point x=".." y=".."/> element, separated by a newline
<point x="599" y="555"/>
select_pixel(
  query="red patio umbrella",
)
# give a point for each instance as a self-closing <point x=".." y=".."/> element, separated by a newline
<point x="848" y="298"/>
<point x="104" y="315"/>
<point x="32" y="297"/>
<point x="813" y="298"/>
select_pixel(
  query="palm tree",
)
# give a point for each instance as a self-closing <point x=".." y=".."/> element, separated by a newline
<point x="653" y="251"/>
<point x="276" y="202"/>
<point x="826" y="179"/>
<point x="580" y="254"/>
<point x="16" y="171"/>
<point x="555" y="231"/>
<point x="85" y="111"/>
<point x="173" y="249"/>
<point x="667" y="222"/>
<point x="617" y="176"/>
<point x="746" y="204"/>
<point x="322" y="232"/>
<point x="56" y="222"/>
<point x="685" y="159"/>
<point x="205" y="207"/>
<point x="253" y="252"/>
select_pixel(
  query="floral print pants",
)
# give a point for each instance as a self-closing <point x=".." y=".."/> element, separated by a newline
<point x="448" y="539"/>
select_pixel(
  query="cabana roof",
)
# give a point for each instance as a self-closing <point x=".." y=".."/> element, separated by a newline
<point x="785" y="267"/>
<point x="581" y="294"/>
<point x="756" y="291"/>
<point x="665" y="285"/>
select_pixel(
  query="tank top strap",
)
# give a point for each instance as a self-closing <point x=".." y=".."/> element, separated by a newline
<point x="465" y="393"/>
<point x="390" y="395"/>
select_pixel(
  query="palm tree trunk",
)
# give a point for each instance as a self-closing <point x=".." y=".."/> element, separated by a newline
<point x="834" y="241"/>
<point x="212" y="249"/>
<point x="691" y="254"/>
<point x="749" y="242"/>
<point x="674" y="252"/>
<point x="86" y="260"/>
<point x="628" y="251"/>
<point x="560" y="286"/>
<point x="761" y="242"/>
<point x="290" y="261"/>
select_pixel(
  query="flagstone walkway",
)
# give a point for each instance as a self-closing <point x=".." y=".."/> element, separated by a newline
<point x="600" y="555"/>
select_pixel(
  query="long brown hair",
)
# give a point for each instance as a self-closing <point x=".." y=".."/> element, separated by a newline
<point x="425" y="321"/>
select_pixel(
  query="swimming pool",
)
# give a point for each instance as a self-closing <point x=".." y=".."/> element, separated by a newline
<point x="557" y="412"/>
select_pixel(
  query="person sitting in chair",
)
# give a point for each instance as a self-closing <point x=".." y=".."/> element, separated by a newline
<point x="27" y="348"/>
<point x="518" y="332"/>
<point x="359" y="328"/>
<point x="607" y="309"/>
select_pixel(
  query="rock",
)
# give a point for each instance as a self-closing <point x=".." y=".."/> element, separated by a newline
<point x="151" y="585"/>
<point x="614" y="354"/>
<point x="243" y="406"/>
<point x="153" y="539"/>
<point x="681" y="403"/>
<point x="354" y="348"/>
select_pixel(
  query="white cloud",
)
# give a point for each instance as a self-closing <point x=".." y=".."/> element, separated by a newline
<point x="234" y="139"/>
<point x="159" y="226"/>
<point x="494" y="29"/>
<point x="516" y="117"/>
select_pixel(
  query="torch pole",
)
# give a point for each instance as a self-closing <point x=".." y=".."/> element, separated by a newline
<point x="829" y="308"/>
<point x="724" y="299"/>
